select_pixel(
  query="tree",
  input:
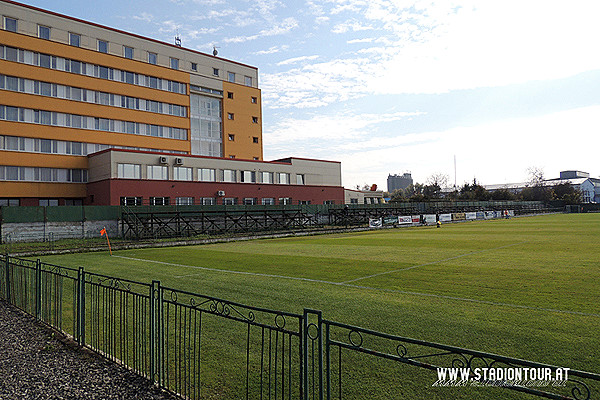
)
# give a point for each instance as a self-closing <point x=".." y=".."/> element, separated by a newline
<point x="567" y="193"/>
<point x="502" y="194"/>
<point x="537" y="190"/>
<point x="438" y="179"/>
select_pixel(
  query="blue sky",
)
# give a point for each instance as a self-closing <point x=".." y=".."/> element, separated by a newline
<point x="389" y="86"/>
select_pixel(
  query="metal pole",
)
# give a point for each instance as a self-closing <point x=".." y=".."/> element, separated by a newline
<point x="38" y="289"/>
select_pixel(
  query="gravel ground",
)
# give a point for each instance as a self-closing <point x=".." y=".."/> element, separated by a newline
<point x="35" y="364"/>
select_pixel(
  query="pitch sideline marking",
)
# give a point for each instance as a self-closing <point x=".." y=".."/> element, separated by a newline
<point x="228" y="271"/>
<point x="433" y="262"/>
<point x="438" y="296"/>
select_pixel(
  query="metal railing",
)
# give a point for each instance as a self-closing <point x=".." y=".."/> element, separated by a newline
<point x="199" y="346"/>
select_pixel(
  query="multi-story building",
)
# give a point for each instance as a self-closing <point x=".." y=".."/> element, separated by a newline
<point x="395" y="182"/>
<point x="70" y="90"/>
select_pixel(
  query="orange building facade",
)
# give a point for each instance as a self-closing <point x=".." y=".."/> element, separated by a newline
<point x="71" y="88"/>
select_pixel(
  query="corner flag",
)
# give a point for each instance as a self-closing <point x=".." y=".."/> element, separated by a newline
<point x="103" y="233"/>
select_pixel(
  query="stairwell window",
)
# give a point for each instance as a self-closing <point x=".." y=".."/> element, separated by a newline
<point x="128" y="52"/>
<point x="43" y="32"/>
<point x="74" y="39"/>
<point x="10" y="24"/>
<point x="102" y="46"/>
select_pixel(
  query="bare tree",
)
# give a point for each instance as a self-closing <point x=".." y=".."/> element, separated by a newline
<point x="536" y="176"/>
<point x="438" y="179"/>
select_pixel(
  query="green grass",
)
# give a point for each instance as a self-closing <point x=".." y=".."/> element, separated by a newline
<point x="527" y="288"/>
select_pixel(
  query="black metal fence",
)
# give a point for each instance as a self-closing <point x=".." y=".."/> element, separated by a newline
<point x="199" y="346"/>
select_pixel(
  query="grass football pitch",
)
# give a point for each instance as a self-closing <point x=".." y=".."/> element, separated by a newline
<point x="526" y="287"/>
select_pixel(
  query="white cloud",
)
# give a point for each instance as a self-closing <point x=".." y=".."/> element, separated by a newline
<point x="272" y="50"/>
<point x="352" y="25"/>
<point x="146" y="17"/>
<point x="498" y="152"/>
<point x="297" y="60"/>
<point x="431" y="47"/>
<point x="285" y="26"/>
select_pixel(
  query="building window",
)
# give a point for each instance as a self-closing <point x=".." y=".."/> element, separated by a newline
<point x="194" y="67"/>
<point x="255" y="158"/>
<point x="182" y="173"/>
<point x="160" y="172"/>
<point x="48" y="202"/>
<point x="131" y="201"/>
<point x="255" y="120"/>
<point x="128" y="52"/>
<point x="254" y="139"/>
<point x="248" y="176"/>
<point x="10" y="24"/>
<point x="102" y="46"/>
<point x="285" y="200"/>
<point x="9" y="202"/>
<point x="231" y="137"/>
<point x="354" y="201"/>
<point x="253" y="100"/>
<point x="230" y="116"/>
<point x="231" y="77"/>
<point x="159" y="201"/>
<point x="216" y="71"/>
<point x="208" y="201"/>
<point x="74" y="39"/>
<point x="43" y="32"/>
<point x="229" y="175"/>
<point x="299" y="179"/>
<point x="304" y="202"/>
<point x="174" y="63"/>
<point x="129" y="171"/>
<point x="266" y="177"/>
<point x="329" y="202"/>
<point x="284" y="179"/>
<point x="250" y="201"/>
<point x="184" y="201"/>
<point x="206" y="174"/>
<point x="73" y="202"/>
<point x="152" y="58"/>
<point x="230" y="201"/>
<point x="248" y="80"/>
<point x="230" y="95"/>
<point x="231" y="156"/>
<point x="269" y="201"/>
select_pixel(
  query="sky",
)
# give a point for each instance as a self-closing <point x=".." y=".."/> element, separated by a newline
<point x="394" y="86"/>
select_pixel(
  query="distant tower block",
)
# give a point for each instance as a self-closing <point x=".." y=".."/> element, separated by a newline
<point x="395" y="182"/>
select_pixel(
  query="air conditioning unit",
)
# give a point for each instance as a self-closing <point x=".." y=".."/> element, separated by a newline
<point x="179" y="161"/>
<point x="163" y="160"/>
<point x="221" y="193"/>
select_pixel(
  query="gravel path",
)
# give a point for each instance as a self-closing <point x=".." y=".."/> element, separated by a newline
<point x="35" y="364"/>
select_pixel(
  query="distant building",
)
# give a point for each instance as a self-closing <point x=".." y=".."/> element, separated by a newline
<point x="589" y="187"/>
<point x="395" y="182"/>
<point x="363" y="196"/>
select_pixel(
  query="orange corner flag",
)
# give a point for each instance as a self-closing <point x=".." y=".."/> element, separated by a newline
<point x="103" y="233"/>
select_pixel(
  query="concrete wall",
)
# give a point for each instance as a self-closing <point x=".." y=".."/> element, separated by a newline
<point x="40" y="231"/>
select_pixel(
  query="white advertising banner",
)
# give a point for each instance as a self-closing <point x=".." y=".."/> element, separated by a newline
<point x="416" y="219"/>
<point x="471" y="215"/>
<point x="407" y="219"/>
<point x="375" y="222"/>
<point x="445" y="217"/>
<point x="511" y="213"/>
<point x="430" y="218"/>
<point x="489" y="214"/>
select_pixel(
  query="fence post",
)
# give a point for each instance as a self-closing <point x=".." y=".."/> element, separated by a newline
<point x="38" y="289"/>
<point x="81" y="306"/>
<point x="155" y="333"/>
<point x="313" y="332"/>
<point x="7" y="277"/>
